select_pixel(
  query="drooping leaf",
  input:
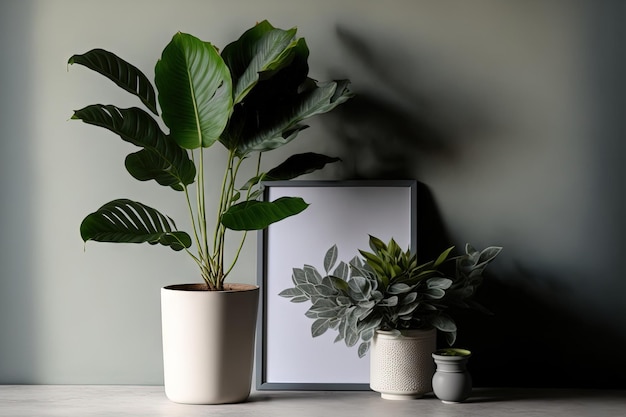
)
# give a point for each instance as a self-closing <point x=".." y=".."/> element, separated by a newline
<point x="122" y="73"/>
<point x="363" y="348"/>
<point x="126" y="221"/>
<point x="257" y="215"/>
<point x="273" y="111"/>
<point x="161" y="159"/>
<point x="297" y="165"/>
<point x="443" y="323"/>
<point x="261" y="48"/>
<point x="319" y="327"/>
<point x="195" y="91"/>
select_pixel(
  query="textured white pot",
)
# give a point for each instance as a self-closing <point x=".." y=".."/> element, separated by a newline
<point x="208" y="342"/>
<point x="401" y="366"/>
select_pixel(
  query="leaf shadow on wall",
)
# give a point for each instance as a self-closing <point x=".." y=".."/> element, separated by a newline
<point x="529" y="341"/>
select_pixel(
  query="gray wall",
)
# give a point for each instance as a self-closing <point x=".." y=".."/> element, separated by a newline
<point x="510" y="113"/>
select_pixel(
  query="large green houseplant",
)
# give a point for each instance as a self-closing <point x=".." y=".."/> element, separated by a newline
<point x="252" y="98"/>
<point x="388" y="289"/>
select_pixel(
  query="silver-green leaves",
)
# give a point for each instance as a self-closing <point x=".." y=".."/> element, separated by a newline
<point x="387" y="289"/>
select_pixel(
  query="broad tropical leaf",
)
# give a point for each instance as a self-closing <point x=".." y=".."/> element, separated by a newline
<point x="257" y="215"/>
<point x="195" y="91"/>
<point x="299" y="164"/>
<point x="126" y="221"/>
<point x="161" y="159"/>
<point x="261" y="48"/>
<point x="271" y="126"/>
<point x="125" y="75"/>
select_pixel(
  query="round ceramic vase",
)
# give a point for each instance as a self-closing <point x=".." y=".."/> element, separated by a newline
<point x="401" y="366"/>
<point x="208" y="342"/>
<point x="452" y="383"/>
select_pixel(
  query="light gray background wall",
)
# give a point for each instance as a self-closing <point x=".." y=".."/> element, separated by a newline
<point x="510" y="112"/>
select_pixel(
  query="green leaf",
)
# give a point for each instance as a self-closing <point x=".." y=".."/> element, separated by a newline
<point x="261" y="48"/>
<point x="330" y="258"/>
<point x="443" y="323"/>
<point x="360" y="288"/>
<point x="195" y="91"/>
<point x="125" y="75"/>
<point x="257" y="215"/>
<point x="161" y="159"/>
<point x="319" y="327"/>
<point x="297" y="165"/>
<point x="439" y="282"/>
<point x="126" y="221"/>
<point x="341" y="271"/>
<point x="376" y="244"/>
<point x="389" y="302"/>
<point x="398" y="288"/>
<point x="273" y="111"/>
<point x="363" y="348"/>
<point x="444" y="255"/>
<point x="311" y="275"/>
<point x="297" y="276"/>
<point x="290" y="292"/>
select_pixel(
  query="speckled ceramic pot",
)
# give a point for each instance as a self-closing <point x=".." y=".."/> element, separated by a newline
<point x="401" y="366"/>
<point x="452" y="382"/>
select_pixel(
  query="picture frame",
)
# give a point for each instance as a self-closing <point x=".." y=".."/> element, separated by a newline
<point x="344" y="213"/>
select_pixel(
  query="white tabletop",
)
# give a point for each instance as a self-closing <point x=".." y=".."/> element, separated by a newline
<point x="138" y="401"/>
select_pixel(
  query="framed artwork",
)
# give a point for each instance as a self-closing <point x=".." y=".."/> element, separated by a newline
<point x="344" y="213"/>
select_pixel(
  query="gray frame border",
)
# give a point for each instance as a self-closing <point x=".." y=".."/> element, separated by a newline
<point x="260" y="354"/>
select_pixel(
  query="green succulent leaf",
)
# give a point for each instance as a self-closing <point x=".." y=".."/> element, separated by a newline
<point x="126" y="221"/>
<point x="341" y="271"/>
<point x="443" y="323"/>
<point x="319" y="327"/>
<point x="439" y="282"/>
<point x="290" y="292"/>
<point x="161" y="159"/>
<point x="363" y="348"/>
<point x="195" y="91"/>
<point x="330" y="258"/>
<point x="311" y="275"/>
<point x="125" y="75"/>
<point x="297" y="276"/>
<point x="257" y="215"/>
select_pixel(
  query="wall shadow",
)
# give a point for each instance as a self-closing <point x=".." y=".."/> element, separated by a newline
<point x="529" y="341"/>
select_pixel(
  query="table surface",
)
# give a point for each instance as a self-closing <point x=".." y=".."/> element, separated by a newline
<point x="138" y="401"/>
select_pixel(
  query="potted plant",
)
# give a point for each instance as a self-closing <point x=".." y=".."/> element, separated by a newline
<point x="452" y="383"/>
<point x="387" y="300"/>
<point x="251" y="98"/>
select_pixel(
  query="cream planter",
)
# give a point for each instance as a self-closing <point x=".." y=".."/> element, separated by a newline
<point x="401" y="365"/>
<point x="208" y="342"/>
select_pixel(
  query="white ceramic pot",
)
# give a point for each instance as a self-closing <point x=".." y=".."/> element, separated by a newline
<point x="208" y="342"/>
<point x="401" y="365"/>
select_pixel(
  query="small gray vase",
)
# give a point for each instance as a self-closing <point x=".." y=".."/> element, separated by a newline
<point x="452" y="383"/>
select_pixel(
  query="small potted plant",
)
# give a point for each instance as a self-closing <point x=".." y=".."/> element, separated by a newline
<point x="251" y="97"/>
<point x="452" y="383"/>
<point x="386" y="300"/>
